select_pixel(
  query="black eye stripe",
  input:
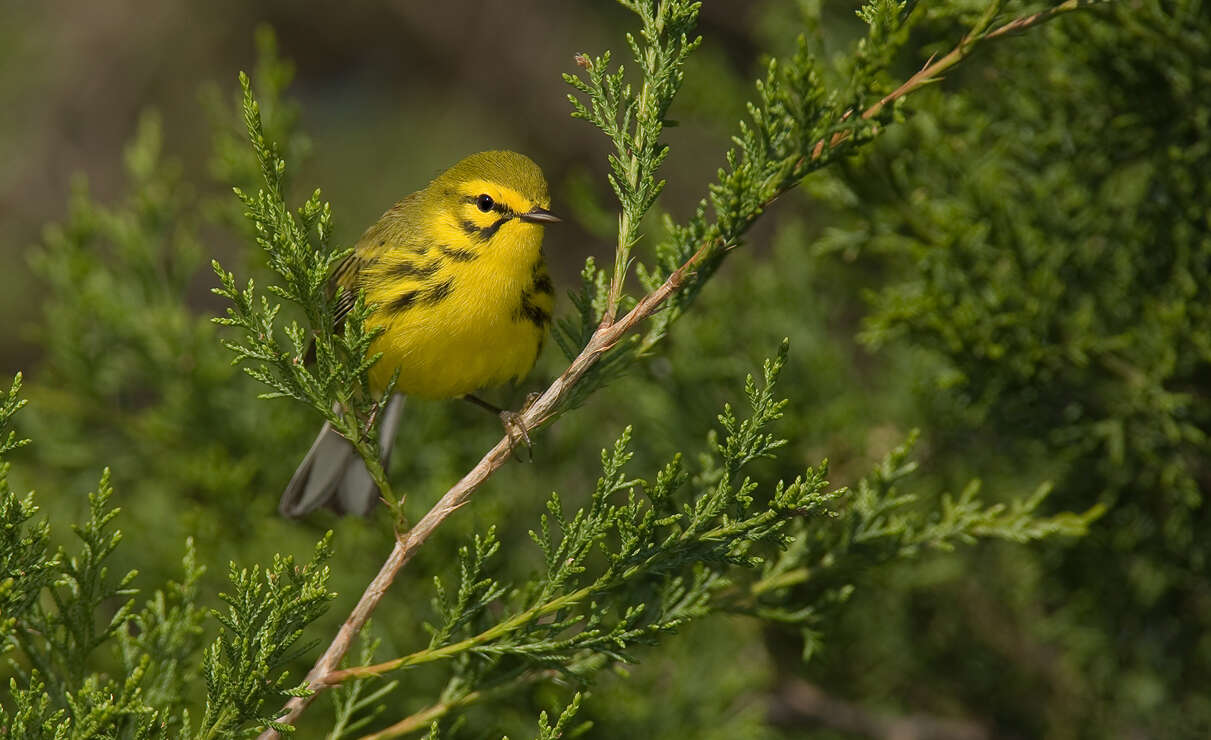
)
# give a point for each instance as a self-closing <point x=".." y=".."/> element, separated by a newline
<point x="489" y="232"/>
<point x="484" y="233"/>
<point x="497" y="206"/>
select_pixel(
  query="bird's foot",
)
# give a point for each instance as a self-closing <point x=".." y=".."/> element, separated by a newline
<point x="531" y="397"/>
<point x="515" y="430"/>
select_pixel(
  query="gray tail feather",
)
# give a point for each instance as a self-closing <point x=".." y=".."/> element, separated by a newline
<point x="332" y="474"/>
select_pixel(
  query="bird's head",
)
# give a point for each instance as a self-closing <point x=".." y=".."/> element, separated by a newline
<point x="493" y="201"/>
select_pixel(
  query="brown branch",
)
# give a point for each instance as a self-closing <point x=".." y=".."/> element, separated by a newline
<point x="800" y="703"/>
<point x="547" y="406"/>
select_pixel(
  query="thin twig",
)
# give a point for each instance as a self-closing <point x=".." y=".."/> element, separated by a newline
<point x="448" y="651"/>
<point x="937" y="65"/>
<point x="547" y="405"/>
<point x="422" y="719"/>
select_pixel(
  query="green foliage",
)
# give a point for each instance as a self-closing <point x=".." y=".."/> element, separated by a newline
<point x="877" y="525"/>
<point x="737" y="544"/>
<point x="11" y="405"/>
<point x="59" y="641"/>
<point x="52" y="623"/>
<point x="336" y="386"/>
<point x="27" y="564"/>
<point x="797" y="125"/>
<point x="62" y="608"/>
<point x="1048" y="243"/>
<point x="642" y="559"/>
<point x="548" y="731"/>
<point x="167" y="635"/>
<point x="133" y="378"/>
<point x="356" y="702"/>
<point x="646" y="558"/>
<point x="244" y="667"/>
<point x="134" y="375"/>
<point x="634" y="121"/>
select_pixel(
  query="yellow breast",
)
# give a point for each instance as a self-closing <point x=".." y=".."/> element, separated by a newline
<point x="457" y="319"/>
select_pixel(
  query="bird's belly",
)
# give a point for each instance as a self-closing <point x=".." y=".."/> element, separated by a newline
<point x="453" y="348"/>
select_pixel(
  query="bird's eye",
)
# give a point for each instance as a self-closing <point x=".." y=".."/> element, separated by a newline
<point x="484" y="202"/>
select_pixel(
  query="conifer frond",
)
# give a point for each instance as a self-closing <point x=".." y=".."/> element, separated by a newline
<point x="263" y="623"/>
<point x="295" y="244"/>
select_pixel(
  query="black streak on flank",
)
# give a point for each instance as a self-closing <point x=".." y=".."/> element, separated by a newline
<point x="404" y="302"/>
<point x="543" y="284"/>
<point x="458" y="255"/>
<point x="411" y="269"/>
<point x="426" y="296"/>
<point x="439" y="292"/>
<point x="539" y="279"/>
<point x="527" y="311"/>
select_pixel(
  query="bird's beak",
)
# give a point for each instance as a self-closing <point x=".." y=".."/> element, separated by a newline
<point x="540" y="215"/>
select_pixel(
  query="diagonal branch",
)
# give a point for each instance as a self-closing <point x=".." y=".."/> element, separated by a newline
<point x="324" y="673"/>
<point x="540" y="412"/>
<point x="937" y="65"/>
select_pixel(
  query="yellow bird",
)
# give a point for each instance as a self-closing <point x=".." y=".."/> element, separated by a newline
<point x="457" y="277"/>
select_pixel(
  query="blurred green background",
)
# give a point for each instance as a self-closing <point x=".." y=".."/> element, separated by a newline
<point x="1020" y="269"/>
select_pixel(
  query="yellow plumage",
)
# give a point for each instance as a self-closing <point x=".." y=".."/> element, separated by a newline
<point x="457" y="278"/>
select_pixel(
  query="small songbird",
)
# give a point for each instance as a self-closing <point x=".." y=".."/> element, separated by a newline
<point x="457" y="279"/>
